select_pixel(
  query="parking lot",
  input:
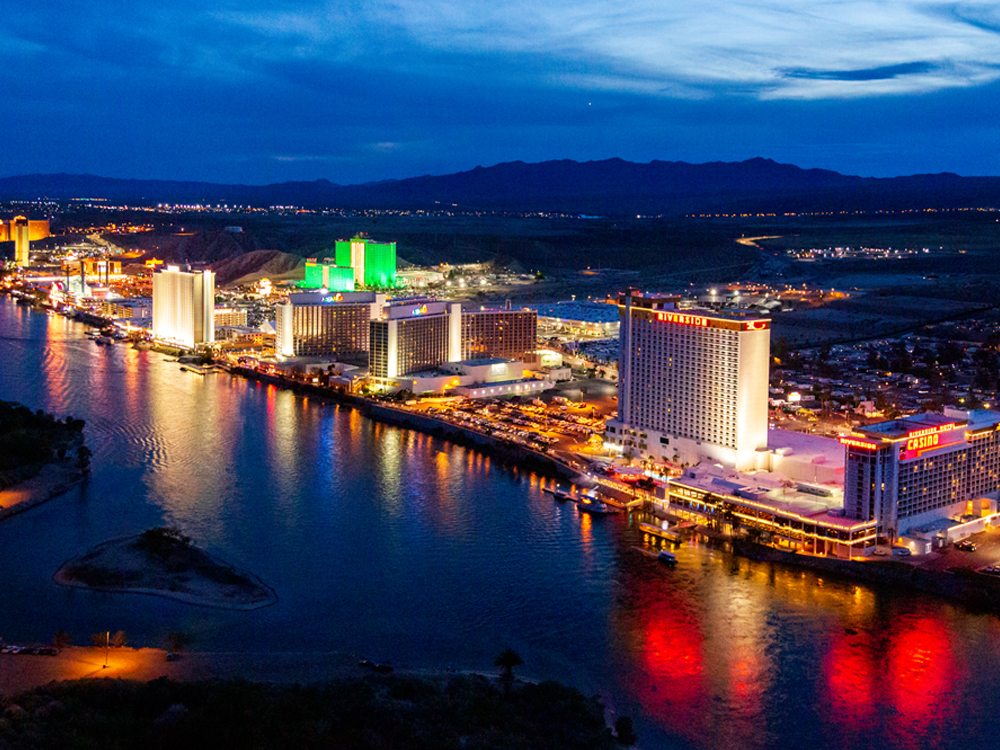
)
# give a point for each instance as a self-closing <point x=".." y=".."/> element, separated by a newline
<point x="987" y="553"/>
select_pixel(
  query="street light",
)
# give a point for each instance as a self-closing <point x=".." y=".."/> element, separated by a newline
<point x="107" y="647"/>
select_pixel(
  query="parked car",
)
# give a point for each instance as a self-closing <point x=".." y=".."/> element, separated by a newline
<point x="901" y="551"/>
<point x="966" y="545"/>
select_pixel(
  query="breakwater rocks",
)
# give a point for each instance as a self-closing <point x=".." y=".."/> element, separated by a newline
<point x="975" y="590"/>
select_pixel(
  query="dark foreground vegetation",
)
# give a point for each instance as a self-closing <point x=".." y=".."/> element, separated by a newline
<point x="31" y="439"/>
<point x="396" y="712"/>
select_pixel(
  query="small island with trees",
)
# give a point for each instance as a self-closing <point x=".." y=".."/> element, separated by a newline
<point x="163" y="562"/>
<point x="40" y="456"/>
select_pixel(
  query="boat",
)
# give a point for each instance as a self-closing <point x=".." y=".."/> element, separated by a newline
<point x="594" y="507"/>
<point x="560" y="495"/>
<point x="667" y="558"/>
<point x="104" y="341"/>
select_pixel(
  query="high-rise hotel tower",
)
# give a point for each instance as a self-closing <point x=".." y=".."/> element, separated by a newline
<point x="692" y="383"/>
<point x="184" y="306"/>
<point x="21" y="234"/>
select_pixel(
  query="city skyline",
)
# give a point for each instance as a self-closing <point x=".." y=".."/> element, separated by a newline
<point x="257" y="94"/>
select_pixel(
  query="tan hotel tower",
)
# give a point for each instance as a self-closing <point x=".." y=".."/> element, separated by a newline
<point x="692" y="383"/>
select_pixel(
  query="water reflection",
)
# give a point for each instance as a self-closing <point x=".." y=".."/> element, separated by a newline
<point x="397" y="545"/>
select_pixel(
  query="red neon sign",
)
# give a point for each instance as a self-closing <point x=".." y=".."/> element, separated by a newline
<point x="931" y="431"/>
<point x="755" y="325"/>
<point x="688" y="320"/>
<point x="923" y="443"/>
<point x="853" y="443"/>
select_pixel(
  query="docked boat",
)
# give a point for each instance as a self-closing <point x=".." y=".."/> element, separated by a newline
<point x="594" y="507"/>
<point x="667" y="558"/>
<point x="561" y="496"/>
<point x="104" y="341"/>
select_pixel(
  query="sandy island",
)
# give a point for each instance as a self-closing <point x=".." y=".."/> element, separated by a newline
<point x="168" y="567"/>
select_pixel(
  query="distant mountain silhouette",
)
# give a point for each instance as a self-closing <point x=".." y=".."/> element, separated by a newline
<point x="609" y="187"/>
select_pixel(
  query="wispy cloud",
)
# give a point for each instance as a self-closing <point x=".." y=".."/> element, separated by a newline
<point x="776" y="49"/>
<point x="846" y="48"/>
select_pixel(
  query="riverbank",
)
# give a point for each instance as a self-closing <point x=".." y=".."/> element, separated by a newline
<point x="51" y="481"/>
<point x="975" y="590"/>
<point x="162" y="706"/>
<point x="161" y="562"/>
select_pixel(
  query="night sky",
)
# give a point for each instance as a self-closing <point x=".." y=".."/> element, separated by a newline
<point x="358" y="91"/>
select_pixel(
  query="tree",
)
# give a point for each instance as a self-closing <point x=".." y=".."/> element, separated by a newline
<point x="507" y="660"/>
<point x="624" y="731"/>
<point x="178" y="641"/>
<point x="61" y="639"/>
<point x="119" y="639"/>
<point x="781" y="350"/>
<point x="83" y="455"/>
<point x="899" y="357"/>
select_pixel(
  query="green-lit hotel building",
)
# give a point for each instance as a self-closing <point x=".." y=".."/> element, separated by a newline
<point x="327" y="274"/>
<point x="374" y="263"/>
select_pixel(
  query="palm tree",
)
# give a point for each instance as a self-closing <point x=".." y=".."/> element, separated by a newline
<point x="507" y="660"/>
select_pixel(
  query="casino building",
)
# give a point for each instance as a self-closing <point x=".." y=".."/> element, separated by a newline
<point x="912" y="471"/>
<point x="326" y="274"/>
<point x="412" y="335"/>
<point x="693" y="383"/>
<point x="499" y="332"/>
<point x="184" y="306"/>
<point x="374" y="263"/>
<point x="336" y="324"/>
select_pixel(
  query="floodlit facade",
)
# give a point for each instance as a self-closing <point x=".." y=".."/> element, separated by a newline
<point x="230" y="316"/>
<point x="495" y="332"/>
<point x="908" y="472"/>
<point x="326" y="274"/>
<point x="315" y="324"/>
<point x="38" y="229"/>
<point x="693" y="383"/>
<point x="21" y="234"/>
<point x="374" y="263"/>
<point x="184" y="306"/>
<point x="414" y="335"/>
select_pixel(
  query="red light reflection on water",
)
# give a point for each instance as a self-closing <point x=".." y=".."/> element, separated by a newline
<point x="671" y="682"/>
<point x="907" y="665"/>
<point x="849" y="670"/>
<point x="920" y="671"/>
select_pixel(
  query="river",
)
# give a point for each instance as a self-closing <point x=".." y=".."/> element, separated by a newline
<point x="401" y="547"/>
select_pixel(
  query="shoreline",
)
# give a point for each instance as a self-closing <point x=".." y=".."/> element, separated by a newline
<point x="54" y="479"/>
<point x="20" y="672"/>
<point x="973" y="590"/>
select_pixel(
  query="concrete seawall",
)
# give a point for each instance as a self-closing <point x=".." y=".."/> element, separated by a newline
<point x="975" y="590"/>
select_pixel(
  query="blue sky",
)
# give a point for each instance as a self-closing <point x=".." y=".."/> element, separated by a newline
<point x="357" y="91"/>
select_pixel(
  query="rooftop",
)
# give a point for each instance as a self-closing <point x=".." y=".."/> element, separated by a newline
<point x="590" y="312"/>
<point x="771" y="490"/>
<point x="806" y="447"/>
<point x="899" y="428"/>
<point x="485" y="361"/>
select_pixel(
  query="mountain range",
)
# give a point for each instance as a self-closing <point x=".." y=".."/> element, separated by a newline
<point x="611" y="187"/>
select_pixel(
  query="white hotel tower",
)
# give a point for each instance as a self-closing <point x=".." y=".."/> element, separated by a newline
<point x="692" y="383"/>
<point x="184" y="306"/>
